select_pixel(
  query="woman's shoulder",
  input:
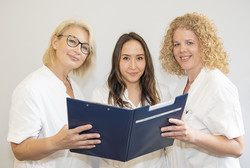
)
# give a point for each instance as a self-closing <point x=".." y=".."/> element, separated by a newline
<point x="102" y="88"/>
<point x="163" y="91"/>
<point x="33" y="84"/>
<point x="34" y="79"/>
<point x="100" y="93"/>
<point x="216" y="77"/>
<point x="219" y="82"/>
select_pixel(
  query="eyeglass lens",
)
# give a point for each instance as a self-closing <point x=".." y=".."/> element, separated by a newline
<point x="74" y="42"/>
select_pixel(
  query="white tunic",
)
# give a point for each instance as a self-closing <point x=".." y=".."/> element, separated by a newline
<point x="212" y="106"/>
<point x="38" y="110"/>
<point x="153" y="160"/>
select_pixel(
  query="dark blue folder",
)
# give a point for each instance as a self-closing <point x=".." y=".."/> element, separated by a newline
<point x="125" y="133"/>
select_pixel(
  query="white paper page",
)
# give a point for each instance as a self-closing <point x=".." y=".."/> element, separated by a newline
<point x="161" y="105"/>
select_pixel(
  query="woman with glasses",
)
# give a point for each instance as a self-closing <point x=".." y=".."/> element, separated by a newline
<point x="131" y="84"/>
<point x="211" y="132"/>
<point x="38" y="132"/>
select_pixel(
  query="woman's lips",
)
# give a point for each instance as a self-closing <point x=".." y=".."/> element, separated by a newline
<point x="133" y="73"/>
<point x="74" y="58"/>
<point x="185" y="58"/>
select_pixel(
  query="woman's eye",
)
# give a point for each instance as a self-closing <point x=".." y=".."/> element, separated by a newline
<point x="176" y="44"/>
<point x="190" y="43"/>
<point x="140" y="58"/>
<point x="84" y="48"/>
<point x="73" y="41"/>
<point x="125" y="58"/>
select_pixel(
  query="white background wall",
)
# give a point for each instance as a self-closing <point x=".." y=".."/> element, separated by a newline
<point x="26" y="26"/>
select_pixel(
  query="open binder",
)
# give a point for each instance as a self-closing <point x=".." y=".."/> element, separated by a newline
<point x="125" y="133"/>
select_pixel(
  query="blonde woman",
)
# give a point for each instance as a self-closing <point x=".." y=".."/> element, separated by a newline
<point x="38" y="132"/>
<point x="211" y="132"/>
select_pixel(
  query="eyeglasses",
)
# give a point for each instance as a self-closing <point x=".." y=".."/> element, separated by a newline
<point x="73" y="41"/>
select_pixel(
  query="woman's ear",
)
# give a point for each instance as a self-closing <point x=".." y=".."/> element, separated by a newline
<point x="54" y="42"/>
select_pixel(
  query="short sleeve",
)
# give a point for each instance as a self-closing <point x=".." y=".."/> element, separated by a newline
<point x="24" y="119"/>
<point x="224" y="117"/>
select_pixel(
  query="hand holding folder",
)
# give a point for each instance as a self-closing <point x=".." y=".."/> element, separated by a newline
<point x="125" y="133"/>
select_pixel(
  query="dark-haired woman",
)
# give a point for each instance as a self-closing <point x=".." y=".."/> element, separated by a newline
<point x="131" y="84"/>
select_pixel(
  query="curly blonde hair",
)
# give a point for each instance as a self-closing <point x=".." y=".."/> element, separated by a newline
<point x="212" y="50"/>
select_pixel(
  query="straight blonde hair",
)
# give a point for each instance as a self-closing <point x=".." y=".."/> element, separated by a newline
<point x="49" y="55"/>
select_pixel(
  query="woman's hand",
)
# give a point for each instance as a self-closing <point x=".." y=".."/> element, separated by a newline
<point x="217" y="144"/>
<point x="36" y="149"/>
<point x="180" y="131"/>
<point x="72" y="139"/>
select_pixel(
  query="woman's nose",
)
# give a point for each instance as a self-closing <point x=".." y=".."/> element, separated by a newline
<point x="77" y="49"/>
<point x="183" y="48"/>
<point x="132" y="64"/>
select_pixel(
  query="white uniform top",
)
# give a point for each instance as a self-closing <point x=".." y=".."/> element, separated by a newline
<point x="212" y="106"/>
<point x="153" y="160"/>
<point x="39" y="110"/>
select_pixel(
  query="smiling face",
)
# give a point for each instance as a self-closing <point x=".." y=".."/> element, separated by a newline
<point x="132" y="62"/>
<point x="187" y="50"/>
<point x="69" y="58"/>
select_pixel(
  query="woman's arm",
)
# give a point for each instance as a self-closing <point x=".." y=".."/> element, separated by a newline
<point x="217" y="144"/>
<point x="36" y="149"/>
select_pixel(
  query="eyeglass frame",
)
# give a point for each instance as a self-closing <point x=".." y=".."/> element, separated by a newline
<point x="69" y="35"/>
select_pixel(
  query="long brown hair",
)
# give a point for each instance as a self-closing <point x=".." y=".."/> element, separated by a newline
<point x="116" y="83"/>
